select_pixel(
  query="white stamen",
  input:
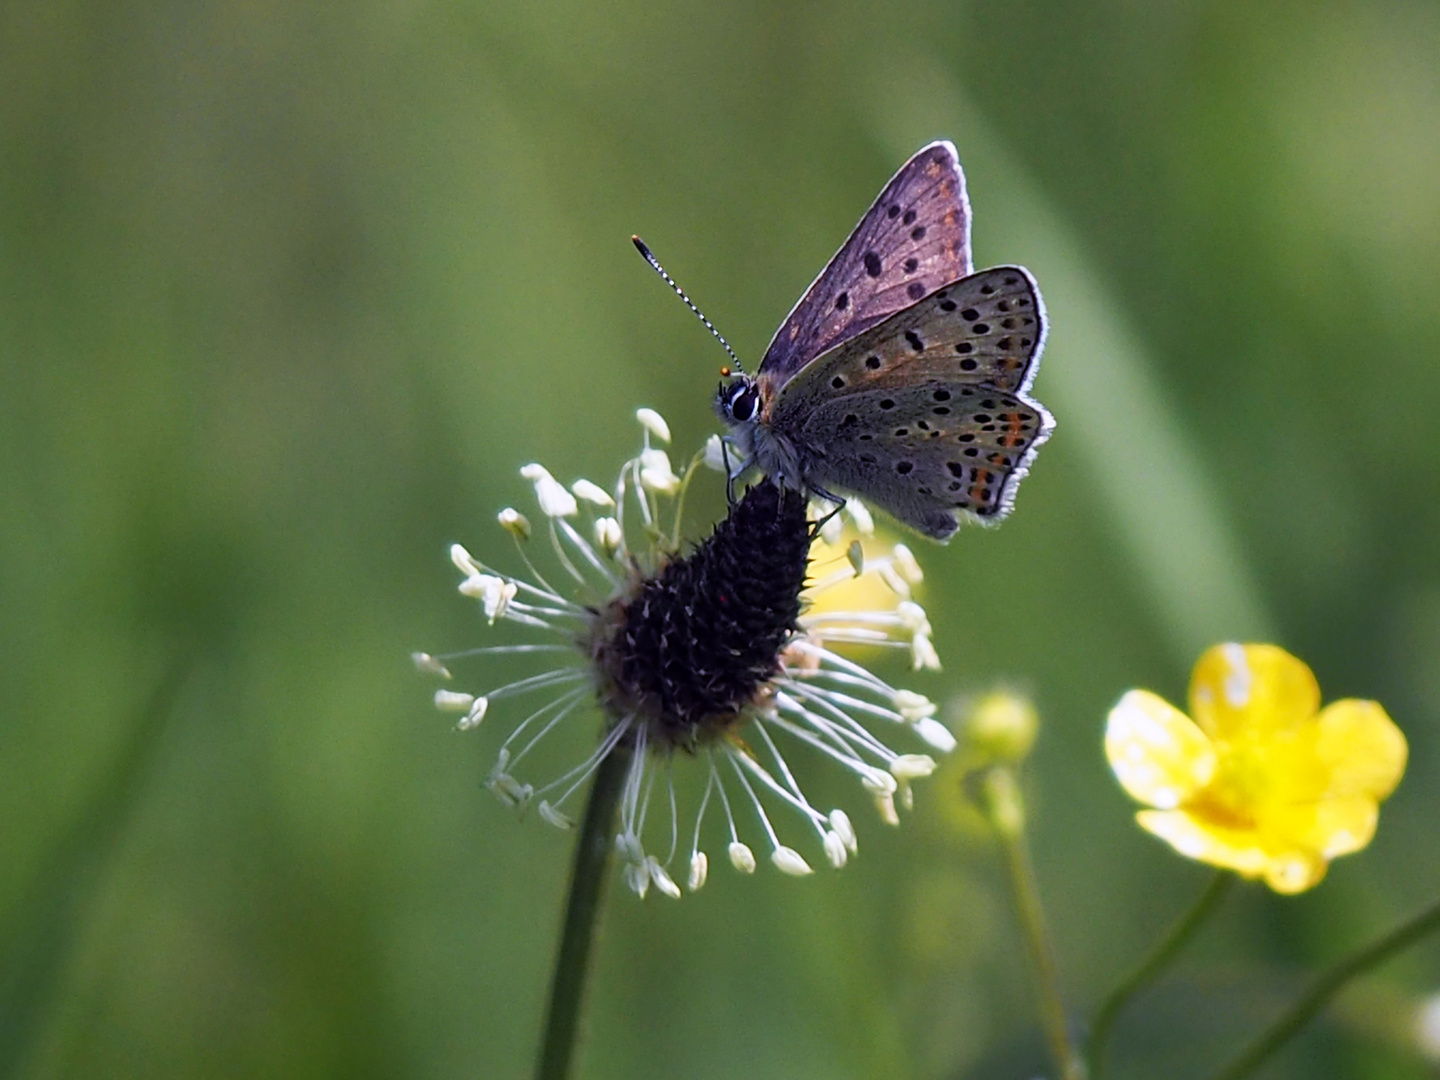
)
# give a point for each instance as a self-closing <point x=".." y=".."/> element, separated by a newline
<point x="789" y="861"/>
<point x="891" y="577"/>
<point x="860" y="515"/>
<point x="428" y="665"/>
<point x="741" y="857"/>
<point x="654" y="423"/>
<point x="608" y="535"/>
<point x="835" y="850"/>
<point x="476" y="714"/>
<point x="840" y="822"/>
<point x="856" y="554"/>
<point x="592" y="493"/>
<point x="453" y="701"/>
<point x="627" y="846"/>
<point x="554" y="817"/>
<point x="463" y="560"/>
<point x="912" y="766"/>
<point x="656" y="474"/>
<point x="923" y="654"/>
<point x="637" y="876"/>
<point x="885" y="804"/>
<point x="699" y="871"/>
<point x="912" y="617"/>
<point x="662" y="879"/>
<point x="913" y="706"/>
<point x="880" y="783"/>
<point x="514" y="522"/>
<point x="936" y="734"/>
<point x="554" y="500"/>
<point x="715" y="454"/>
<point x="905" y="565"/>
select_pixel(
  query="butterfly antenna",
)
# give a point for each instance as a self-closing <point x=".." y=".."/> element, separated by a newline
<point x="650" y="258"/>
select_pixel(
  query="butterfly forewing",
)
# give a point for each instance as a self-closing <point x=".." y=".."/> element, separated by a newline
<point x="987" y="328"/>
<point x="930" y="450"/>
<point x="913" y="240"/>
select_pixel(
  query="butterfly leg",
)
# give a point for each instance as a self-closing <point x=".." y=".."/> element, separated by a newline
<point x="828" y="497"/>
<point x="732" y="473"/>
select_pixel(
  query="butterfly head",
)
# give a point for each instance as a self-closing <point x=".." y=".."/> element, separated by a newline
<point x="738" y="401"/>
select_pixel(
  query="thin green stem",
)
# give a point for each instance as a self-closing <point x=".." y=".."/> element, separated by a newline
<point x="1002" y="800"/>
<point x="1150" y="968"/>
<point x="582" y="910"/>
<point x="1330" y="982"/>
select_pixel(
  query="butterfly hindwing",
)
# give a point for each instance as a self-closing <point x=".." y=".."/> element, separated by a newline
<point x="928" y="452"/>
<point x="913" y="240"/>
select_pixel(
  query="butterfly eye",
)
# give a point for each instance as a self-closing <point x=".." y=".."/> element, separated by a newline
<point x="742" y="405"/>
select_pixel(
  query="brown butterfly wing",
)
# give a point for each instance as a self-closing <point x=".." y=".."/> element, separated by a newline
<point x="913" y="240"/>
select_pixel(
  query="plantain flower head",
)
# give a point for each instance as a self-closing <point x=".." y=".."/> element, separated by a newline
<point x="1258" y="779"/>
<point x="724" y="659"/>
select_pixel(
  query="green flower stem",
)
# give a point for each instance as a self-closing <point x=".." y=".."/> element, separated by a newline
<point x="1001" y="799"/>
<point x="1290" y="1022"/>
<point x="582" y="911"/>
<point x="1149" y="969"/>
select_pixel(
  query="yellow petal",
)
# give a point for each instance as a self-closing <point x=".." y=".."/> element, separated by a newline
<point x="1295" y="872"/>
<point x="1329" y="827"/>
<point x="1157" y="754"/>
<point x="1363" y="749"/>
<point x="1232" y="849"/>
<point x="1243" y="691"/>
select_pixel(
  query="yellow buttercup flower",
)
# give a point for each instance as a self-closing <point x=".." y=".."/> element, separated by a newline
<point x="1258" y="779"/>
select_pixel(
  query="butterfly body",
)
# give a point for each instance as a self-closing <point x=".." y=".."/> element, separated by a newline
<point x="901" y="375"/>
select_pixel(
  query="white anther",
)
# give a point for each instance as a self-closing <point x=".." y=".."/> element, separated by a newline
<point x="592" y="493"/>
<point x="879" y="782"/>
<point x="508" y="790"/>
<point x="662" y="879"/>
<point x="835" y="850"/>
<point x="426" y="663"/>
<point x="860" y="515"/>
<point x="554" y="500"/>
<point x="463" y="560"/>
<point x="741" y="857"/>
<point x="637" y="876"/>
<point x="514" y="522"/>
<point x="477" y="585"/>
<point x="936" y="734"/>
<point x="912" y="766"/>
<point x="715" y="455"/>
<point x="654" y="423"/>
<point x="913" y="617"/>
<point x="834" y="528"/>
<point x="608" y="535"/>
<point x="627" y="846"/>
<point x="494" y="593"/>
<point x="789" y="861"/>
<point x="554" y="817"/>
<point x="913" y="706"/>
<point x="856" y="554"/>
<point x="923" y="654"/>
<point x="476" y="714"/>
<point x="891" y="578"/>
<point x="905" y="564"/>
<point x="453" y="701"/>
<point x="656" y="474"/>
<point x="885" y="804"/>
<point x="699" y="871"/>
<point x="840" y="822"/>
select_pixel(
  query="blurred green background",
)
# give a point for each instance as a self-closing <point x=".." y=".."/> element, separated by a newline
<point x="289" y="291"/>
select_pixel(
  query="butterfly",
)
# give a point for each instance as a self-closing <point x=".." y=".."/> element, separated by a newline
<point x="902" y="376"/>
